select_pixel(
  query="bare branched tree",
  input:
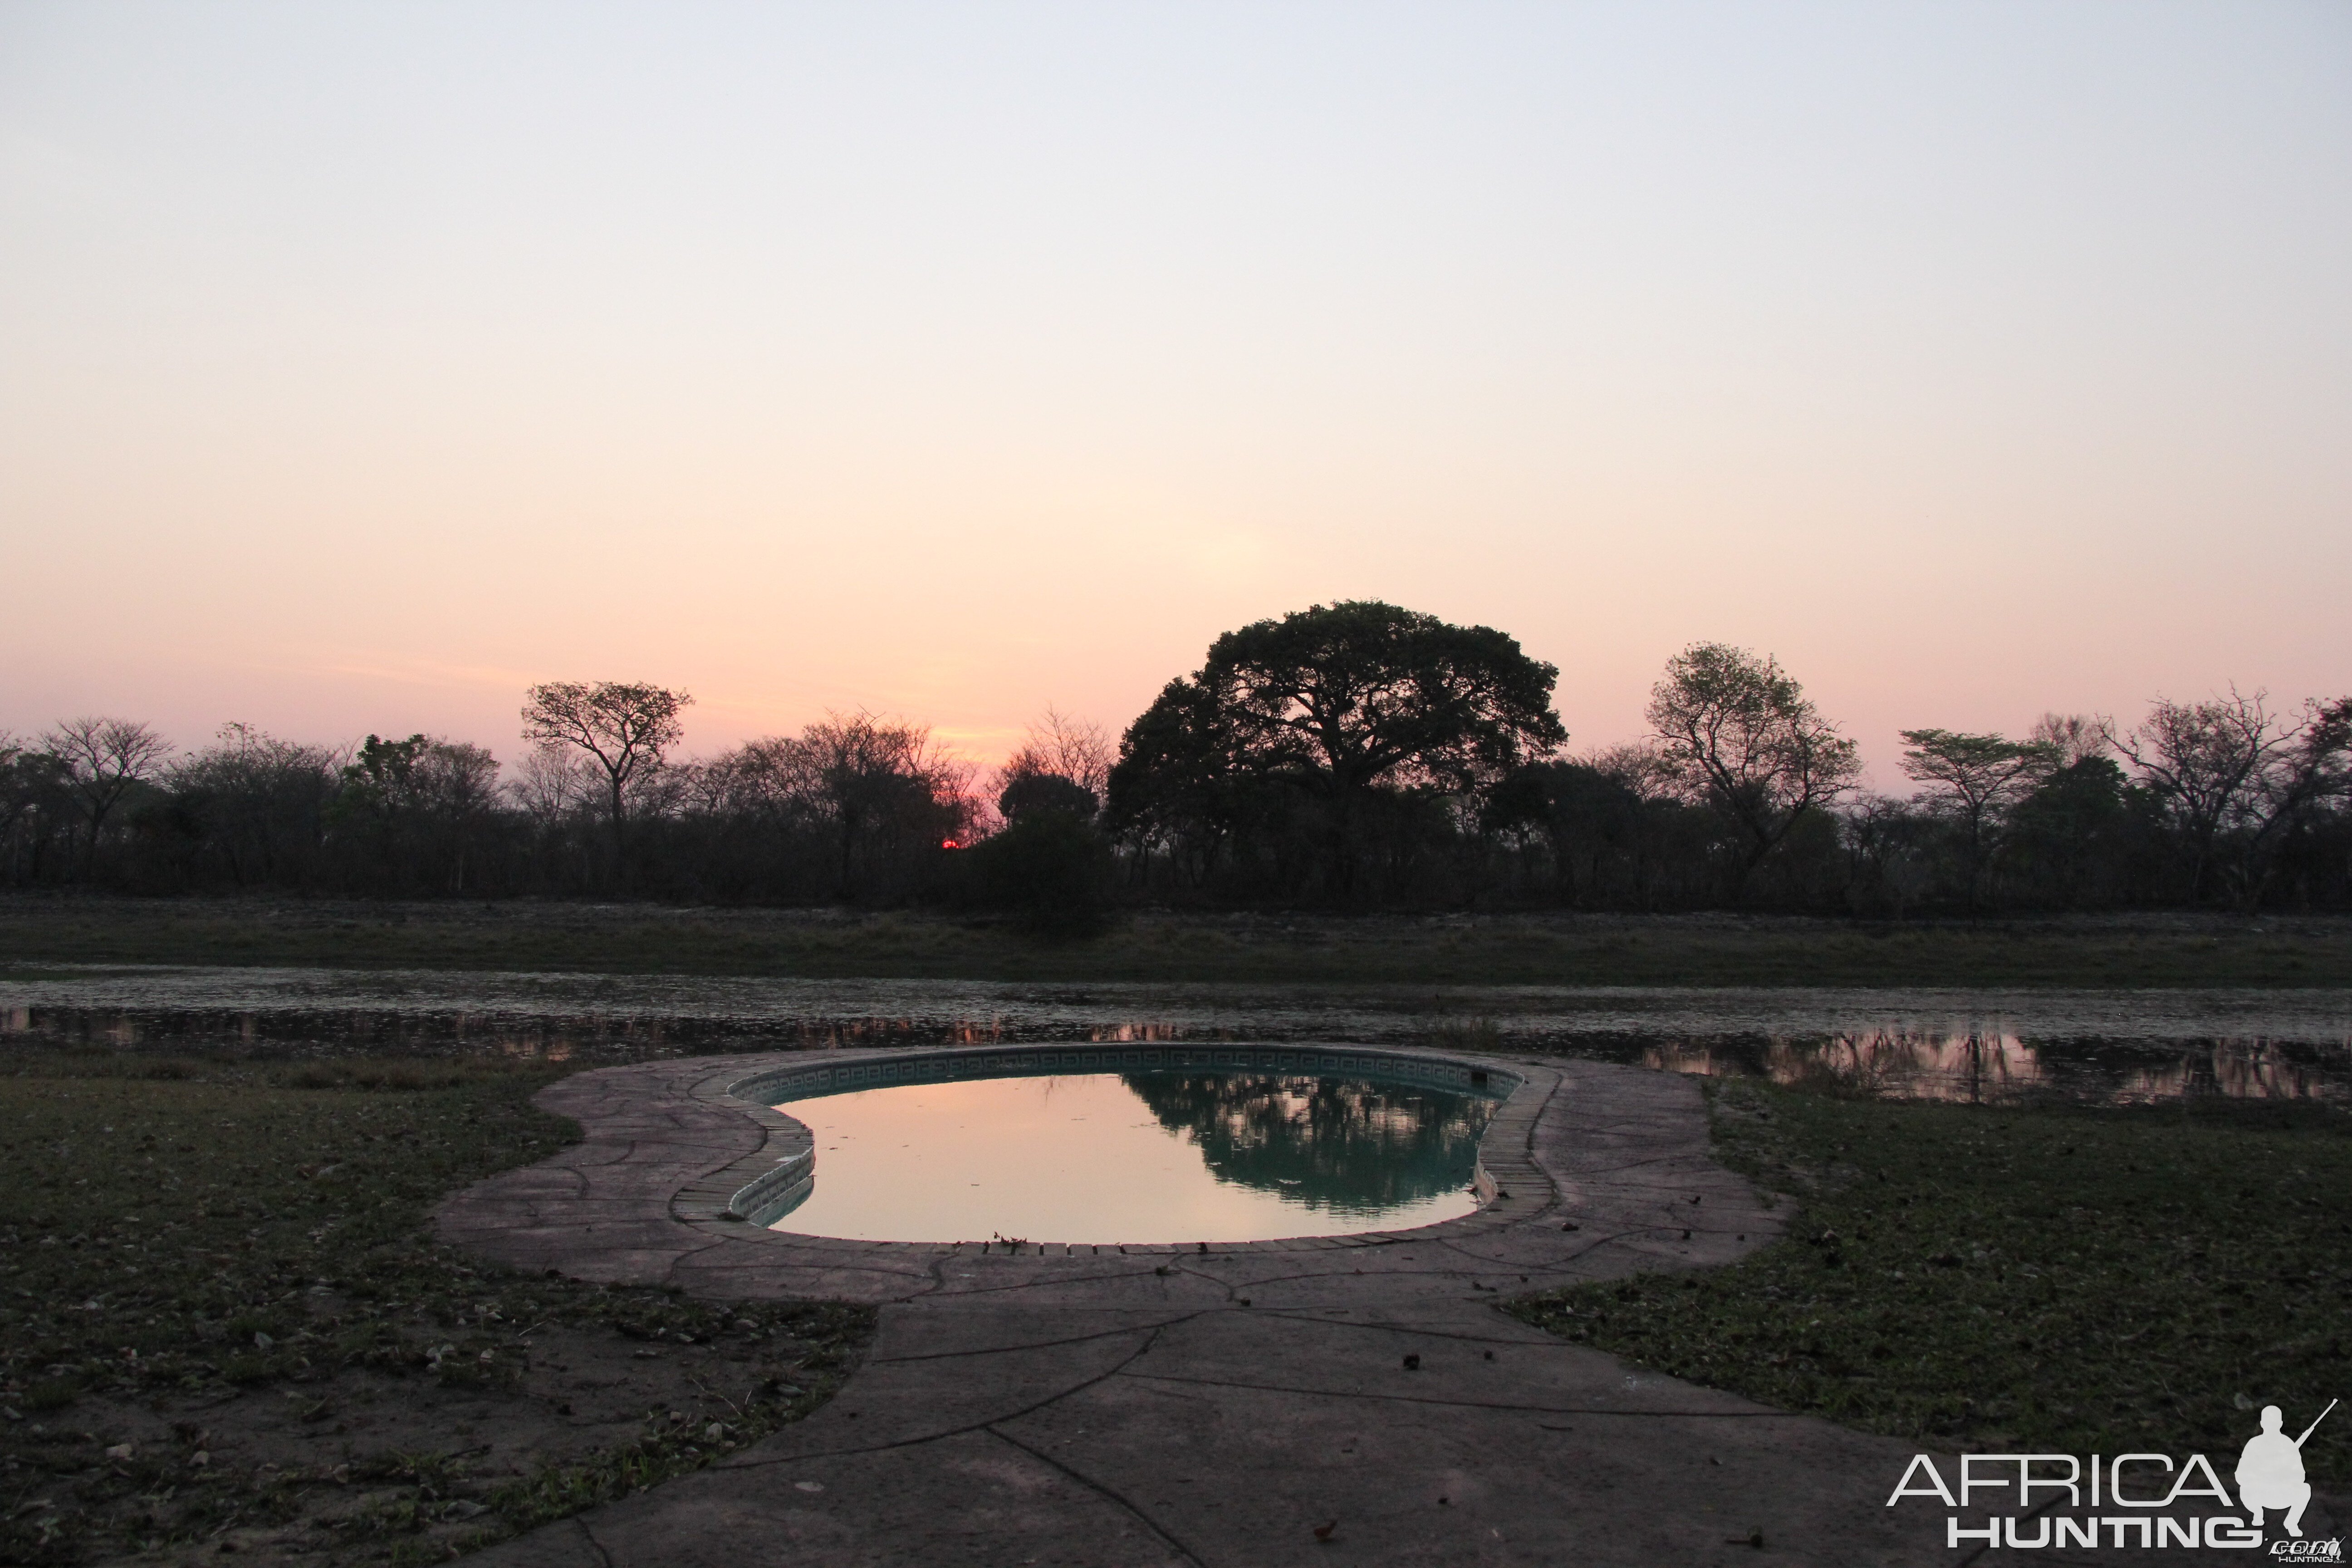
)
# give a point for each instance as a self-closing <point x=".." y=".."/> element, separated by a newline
<point x="624" y="727"/>
<point x="550" y="783"/>
<point x="1063" y="763"/>
<point x="457" y="780"/>
<point x="761" y="779"/>
<point x="1888" y="852"/>
<point x="104" y="759"/>
<point x="264" y="803"/>
<point x="879" y="778"/>
<point x="1078" y="750"/>
<point x="2232" y="778"/>
<point x="1741" y="736"/>
<point x="1639" y="765"/>
<point x="2078" y="737"/>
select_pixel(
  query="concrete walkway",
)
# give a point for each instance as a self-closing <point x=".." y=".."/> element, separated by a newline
<point x="1171" y="1405"/>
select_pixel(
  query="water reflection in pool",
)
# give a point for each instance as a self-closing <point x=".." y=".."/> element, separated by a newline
<point x="1098" y="1158"/>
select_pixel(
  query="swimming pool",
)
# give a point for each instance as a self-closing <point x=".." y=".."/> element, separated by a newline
<point x="1258" y="1149"/>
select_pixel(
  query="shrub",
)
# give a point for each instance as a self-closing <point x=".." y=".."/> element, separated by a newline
<point x="1050" y="869"/>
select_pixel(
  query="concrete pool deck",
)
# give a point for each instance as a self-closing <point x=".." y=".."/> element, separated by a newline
<point x="1171" y="1405"/>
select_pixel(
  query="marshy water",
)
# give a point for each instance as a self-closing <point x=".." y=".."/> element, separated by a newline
<point x="1098" y="1158"/>
<point x="2086" y="1045"/>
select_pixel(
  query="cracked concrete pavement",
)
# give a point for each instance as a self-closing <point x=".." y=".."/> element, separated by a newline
<point x="1218" y="1406"/>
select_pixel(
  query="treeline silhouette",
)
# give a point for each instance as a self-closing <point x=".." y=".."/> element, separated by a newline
<point x="1352" y="755"/>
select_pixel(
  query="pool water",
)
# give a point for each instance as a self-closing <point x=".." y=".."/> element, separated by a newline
<point x="1100" y="1158"/>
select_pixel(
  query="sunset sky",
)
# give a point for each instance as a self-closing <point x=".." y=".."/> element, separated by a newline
<point x="362" y="365"/>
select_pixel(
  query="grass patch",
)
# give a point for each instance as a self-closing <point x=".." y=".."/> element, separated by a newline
<point x="222" y="1322"/>
<point x="2168" y="951"/>
<point x="2054" y="1278"/>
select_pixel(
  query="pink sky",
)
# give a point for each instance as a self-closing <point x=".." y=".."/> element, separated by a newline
<point x="360" y="367"/>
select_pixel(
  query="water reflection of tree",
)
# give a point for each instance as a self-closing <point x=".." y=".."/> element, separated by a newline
<point x="1326" y="1143"/>
<point x="1996" y="1066"/>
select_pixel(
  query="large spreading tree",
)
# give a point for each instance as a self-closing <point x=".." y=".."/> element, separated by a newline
<point x="1345" y="704"/>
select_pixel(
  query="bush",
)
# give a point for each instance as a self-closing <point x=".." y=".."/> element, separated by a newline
<point x="1051" y="869"/>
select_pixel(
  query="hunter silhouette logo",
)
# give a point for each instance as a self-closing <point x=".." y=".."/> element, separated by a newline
<point x="2130" y="1499"/>
<point x="2270" y="1471"/>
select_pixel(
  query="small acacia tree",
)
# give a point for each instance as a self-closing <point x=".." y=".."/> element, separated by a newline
<point x="1738" y="733"/>
<point x="1973" y="779"/>
<point x="624" y="727"/>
